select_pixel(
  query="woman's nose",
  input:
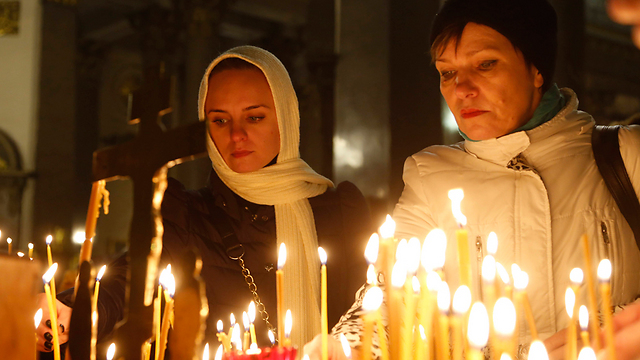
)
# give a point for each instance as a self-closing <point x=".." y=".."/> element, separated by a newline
<point x="465" y="87"/>
<point x="238" y="132"/>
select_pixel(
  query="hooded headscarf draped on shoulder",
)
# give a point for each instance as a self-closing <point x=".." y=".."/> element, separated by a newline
<point x="286" y="185"/>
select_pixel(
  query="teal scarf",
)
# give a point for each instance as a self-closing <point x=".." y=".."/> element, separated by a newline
<point x="551" y="103"/>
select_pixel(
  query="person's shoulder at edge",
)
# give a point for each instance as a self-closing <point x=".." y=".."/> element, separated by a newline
<point x="345" y="200"/>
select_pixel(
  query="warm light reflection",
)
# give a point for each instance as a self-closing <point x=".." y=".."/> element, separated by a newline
<point x="423" y="336"/>
<point x="288" y="324"/>
<point x="372" y="279"/>
<point x="78" y="237"/>
<point x="413" y="255"/>
<point x="502" y="272"/>
<point x="252" y="312"/>
<point x="444" y="297"/>
<point x="345" y="346"/>
<point x="282" y="256"/>
<point x="504" y="317"/>
<point x="388" y="228"/>
<point x="372" y="299"/>
<point x="434" y="249"/>
<point x="433" y="281"/>
<point x="205" y="352"/>
<point x="478" y="328"/>
<point x="576" y="276"/>
<point x="20" y="254"/>
<point x="492" y="243"/>
<point x="398" y="275"/>
<point x="101" y="272"/>
<point x="537" y="351"/>
<point x="38" y="318"/>
<point x="111" y="351"/>
<point x="489" y="269"/>
<point x="323" y="255"/>
<point x="461" y="300"/>
<point x="456" y="196"/>
<point x="583" y="318"/>
<point x="569" y="301"/>
<point x="49" y="239"/>
<point x="50" y="273"/>
<point x="371" y="251"/>
<point x="604" y="270"/>
<point x="219" y="352"/>
<point x="587" y="353"/>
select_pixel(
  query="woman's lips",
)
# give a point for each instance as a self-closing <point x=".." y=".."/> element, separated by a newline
<point x="470" y="113"/>
<point x="240" y="153"/>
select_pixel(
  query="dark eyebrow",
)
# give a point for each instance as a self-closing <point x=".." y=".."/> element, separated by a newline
<point x="245" y="109"/>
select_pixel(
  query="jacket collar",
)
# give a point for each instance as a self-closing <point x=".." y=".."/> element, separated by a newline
<point x="501" y="150"/>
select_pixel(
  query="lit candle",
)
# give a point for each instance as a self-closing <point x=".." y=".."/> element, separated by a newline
<point x="246" y="339"/>
<point x="236" y="339"/>
<point x="444" y="303"/>
<point x="47" y="278"/>
<point x="48" y="240"/>
<point x="272" y="337"/>
<point x="420" y="341"/>
<point x="219" y="353"/>
<point x="232" y="321"/>
<point x="169" y="285"/>
<point x="587" y="353"/>
<point x="398" y="278"/>
<point x="30" y="245"/>
<point x="591" y="287"/>
<point x="427" y="311"/>
<point x="570" y="302"/>
<point x="432" y="260"/>
<point x="253" y="350"/>
<point x="205" y="352"/>
<point x="461" y="304"/>
<point x="504" y="323"/>
<point x="98" y="191"/>
<point x="323" y="304"/>
<point x="222" y="336"/>
<point x="520" y="282"/>
<point x="504" y="276"/>
<point x="489" y="294"/>
<point x="9" y="242"/>
<point x="370" y="304"/>
<point x="492" y="244"/>
<point x="20" y="254"/>
<point x="157" y="311"/>
<point x="477" y="331"/>
<point x="583" y="317"/>
<point x="372" y="249"/>
<point x="604" y="275"/>
<point x="346" y="348"/>
<point x="410" y="300"/>
<point x="111" y="351"/>
<point x="386" y="255"/>
<point x="96" y="291"/>
<point x="537" y="351"/>
<point x="252" y="319"/>
<point x="282" y="258"/>
<point x="434" y="250"/>
<point x="288" y="323"/>
<point x="456" y="196"/>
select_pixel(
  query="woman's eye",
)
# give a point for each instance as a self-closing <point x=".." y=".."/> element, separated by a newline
<point x="447" y="75"/>
<point x="219" y="121"/>
<point x="255" y="118"/>
<point x="486" y="65"/>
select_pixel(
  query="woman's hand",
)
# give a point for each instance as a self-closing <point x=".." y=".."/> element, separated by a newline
<point x="555" y="345"/>
<point x="43" y="332"/>
<point x="314" y="349"/>
<point x="626" y="325"/>
<point x="627" y="12"/>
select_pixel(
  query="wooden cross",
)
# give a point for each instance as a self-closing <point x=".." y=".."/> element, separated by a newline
<point x="145" y="160"/>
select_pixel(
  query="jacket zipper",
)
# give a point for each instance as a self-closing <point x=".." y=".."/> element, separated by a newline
<point x="605" y="238"/>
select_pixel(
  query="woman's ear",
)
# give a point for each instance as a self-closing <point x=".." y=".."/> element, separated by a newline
<point x="538" y="79"/>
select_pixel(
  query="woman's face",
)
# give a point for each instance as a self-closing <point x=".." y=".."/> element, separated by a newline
<point x="487" y="84"/>
<point x="242" y="119"/>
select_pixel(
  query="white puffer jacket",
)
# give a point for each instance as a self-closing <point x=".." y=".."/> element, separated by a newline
<point x="538" y="206"/>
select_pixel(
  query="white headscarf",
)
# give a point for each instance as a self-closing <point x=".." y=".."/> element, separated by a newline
<point x="286" y="185"/>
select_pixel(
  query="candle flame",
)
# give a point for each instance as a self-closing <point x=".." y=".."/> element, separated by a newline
<point x="282" y="256"/>
<point x="504" y="317"/>
<point x="252" y="312"/>
<point x="219" y="352"/>
<point x="388" y="228"/>
<point x="434" y="249"/>
<point x="515" y="269"/>
<point x="398" y="275"/>
<point x="569" y="301"/>
<point x="537" y="351"/>
<point x="49" y="274"/>
<point x="245" y="321"/>
<point x="456" y="196"/>
<point x="232" y="319"/>
<point x="345" y="346"/>
<point x="30" y="245"/>
<point x="288" y="324"/>
<point x="323" y="255"/>
<point x="20" y="254"/>
<point x="220" y="326"/>
<point x="38" y="318"/>
<point x="236" y="339"/>
<point x="412" y="253"/>
<point x="461" y="300"/>
<point x="415" y="284"/>
<point x="587" y="353"/>
<point x="205" y="352"/>
<point x="401" y="250"/>
<point x="272" y="338"/>
<point x="489" y="269"/>
<point x="505" y="356"/>
<point x="49" y="239"/>
<point x="111" y="351"/>
<point x="492" y="243"/>
<point x="433" y="281"/>
<point x="583" y="318"/>
<point x="371" y="275"/>
<point x="306" y="357"/>
<point x="372" y="299"/>
<point x="9" y="240"/>
<point x="502" y="272"/>
<point x="478" y="328"/>
<point x="521" y="280"/>
<point x="604" y="270"/>
<point x="167" y="281"/>
<point x="576" y="275"/>
<point x="371" y="251"/>
<point x="101" y="272"/>
<point x="444" y="297"/>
